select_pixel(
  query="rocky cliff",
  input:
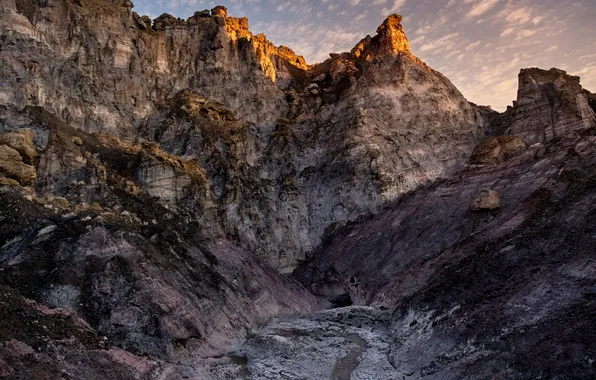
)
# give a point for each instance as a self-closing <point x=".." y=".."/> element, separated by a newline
<point x="157" y="175"/>
<point x="143" y="274"/>
<point x="550" y="105"/>
<point x="100" y="67"/>
<point x="304" y="148"/>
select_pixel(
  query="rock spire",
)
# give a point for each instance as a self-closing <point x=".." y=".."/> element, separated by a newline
<point x="390" y="40"/>
<point x="391" y="36"/>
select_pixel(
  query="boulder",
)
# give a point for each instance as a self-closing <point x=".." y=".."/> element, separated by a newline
<point x="313" y="88"/>
<point x="12" y="166"/>
<point x="77" y="140"/>
<point x="486" y="200"/>
<point x="499" y="149"/>
<point x="144" y="22"/>
<point x="22" y="142"/>
<point x="219" y="11"/>
<point x="340" y="69"/>
<point x="189" y="103"/>
<point x="203" y="13"/>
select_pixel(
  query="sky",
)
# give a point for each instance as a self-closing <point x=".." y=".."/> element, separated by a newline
<point x="480" y="45"/>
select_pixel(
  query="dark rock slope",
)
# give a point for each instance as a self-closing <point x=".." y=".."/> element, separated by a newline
<point x="476" y="294"/>
<point x="489" y="274"/>
<point x="111" y="261"/>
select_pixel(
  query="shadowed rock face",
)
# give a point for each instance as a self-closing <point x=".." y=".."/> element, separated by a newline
<point x="591" y="99"/>
<point x="112" y="252"/>
<point x="465" y="287"/>
<point x="156" y="176"/>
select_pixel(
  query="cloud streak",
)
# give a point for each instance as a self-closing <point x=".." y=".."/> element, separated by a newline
<point x="481" y="7"/>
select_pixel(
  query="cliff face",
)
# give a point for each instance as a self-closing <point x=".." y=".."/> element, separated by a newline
<point x="479" y="275"/>
<point x="459" y="293"/>
<point x="113" y="252"/>
<point x="308" y="148"/>
<point x="550" y="104"/>
<point x="99" y="66"/>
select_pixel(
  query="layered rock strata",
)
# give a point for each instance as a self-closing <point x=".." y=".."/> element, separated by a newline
<point x="550" y="105"/>
<point x="300" y="150"/>
<point x="114" y="253"/>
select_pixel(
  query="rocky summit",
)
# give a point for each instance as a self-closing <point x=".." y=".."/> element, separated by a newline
<point x="182" y="199"/>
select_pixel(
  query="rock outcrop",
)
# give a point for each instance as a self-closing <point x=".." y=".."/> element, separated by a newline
<point x="496" y="150"/>
<point x="390" y="40"/>
<point x="550" y="104"/>
<point x="486" y="200"/>
<point x="21" y="141"/>
<point x="12" y="168"/>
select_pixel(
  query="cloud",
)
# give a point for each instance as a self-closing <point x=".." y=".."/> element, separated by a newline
<point x="525" y="33"/>
<point x="442" y="43"/>
<point x="481" y="7"/>
<point x="361" y="16"/>
<point x="507" y="32"/>
<point x="432" y="26"/>
<point x="397" y="5"/>
<point x="519" y="16"/>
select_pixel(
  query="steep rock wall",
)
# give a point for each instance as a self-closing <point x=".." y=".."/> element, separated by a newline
<point x="298" y="150"/>
<point x="550" y="104"/>
<point x="99" y="66"/>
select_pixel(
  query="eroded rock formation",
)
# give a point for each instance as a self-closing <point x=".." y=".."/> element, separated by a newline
<point x="141" y="273"/>
<point x="157" y="175"/>
<point x="98" y="66"/>
<point x="496" y="150"/>
<point x="469" y="286"/>
<point x="300" y="149"/>
<point x="550" y="104"/>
